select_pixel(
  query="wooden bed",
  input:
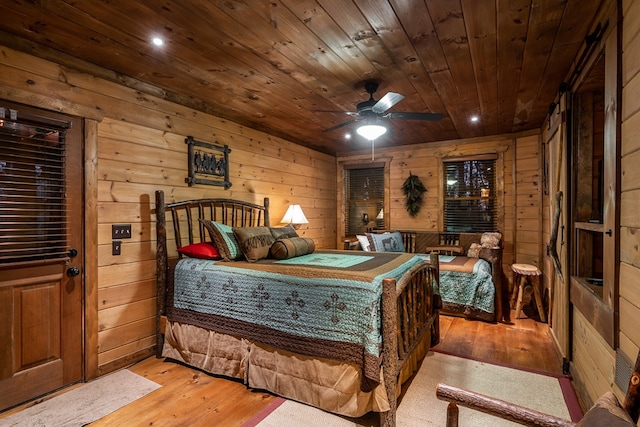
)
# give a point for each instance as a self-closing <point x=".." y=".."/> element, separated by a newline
<point x="405" y="307"/>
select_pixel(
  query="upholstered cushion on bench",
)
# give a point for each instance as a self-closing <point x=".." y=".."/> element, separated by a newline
<point x="384" y="241"/>
<point x="390" y="241"/>
<point x="606" y="412"/>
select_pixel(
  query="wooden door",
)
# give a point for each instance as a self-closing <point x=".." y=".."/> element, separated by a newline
<point x="559" y="317"/>
<point x="41" y="253"/>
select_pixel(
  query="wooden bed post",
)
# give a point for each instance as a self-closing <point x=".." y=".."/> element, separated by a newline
<point x="453" y="413"/>
<point x="161" y="268"/>
<point x="267" y="221"/>
<point x="437" y="301"/>
<point x="389" y="350"/>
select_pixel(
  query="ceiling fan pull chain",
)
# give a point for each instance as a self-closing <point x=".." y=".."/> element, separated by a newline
<point x="372" y="151"/>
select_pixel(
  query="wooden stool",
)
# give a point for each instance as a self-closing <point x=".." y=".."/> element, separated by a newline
<point x="521" y="294"/>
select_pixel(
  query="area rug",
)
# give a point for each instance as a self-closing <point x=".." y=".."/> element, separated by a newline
<point x="85" y="404"/>
<point x="420" y="407"/>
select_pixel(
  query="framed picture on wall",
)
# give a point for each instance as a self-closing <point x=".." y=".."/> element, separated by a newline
<point x="208" y="163"/>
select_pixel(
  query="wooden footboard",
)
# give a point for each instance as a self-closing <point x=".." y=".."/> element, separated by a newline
<point x="409" y="316"/>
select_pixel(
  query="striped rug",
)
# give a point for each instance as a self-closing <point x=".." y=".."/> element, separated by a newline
<point x="85" y="404"/>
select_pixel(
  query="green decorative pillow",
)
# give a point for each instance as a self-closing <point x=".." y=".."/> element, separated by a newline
<point x="223" y="239"/>
<point x="286" y="232"/>
<point x="293" y="247"/>
<point x="254" y="242"/>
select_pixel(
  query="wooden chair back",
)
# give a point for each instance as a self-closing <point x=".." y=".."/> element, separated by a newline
<point x="522" y="415"/>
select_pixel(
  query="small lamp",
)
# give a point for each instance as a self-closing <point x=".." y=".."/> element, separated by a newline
<point x="294" y="216"/>
<point x="380" y="219"/>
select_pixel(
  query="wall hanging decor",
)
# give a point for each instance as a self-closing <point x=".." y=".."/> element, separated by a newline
<point x="413" y="190"/>
<point x="208" y="163"/>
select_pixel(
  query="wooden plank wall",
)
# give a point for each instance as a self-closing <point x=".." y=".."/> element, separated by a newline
<point x="528" y="201"/>
<point x="593" y="362"/>
<point x="630" y="183"/>
<point x="140" y="149"/>
<point x="135" y="160"/>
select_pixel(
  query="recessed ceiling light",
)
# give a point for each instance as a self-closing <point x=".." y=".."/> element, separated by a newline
<point x="347" y="136"/>
<point x="474" y="119"/>
<point x="157" y="41"/>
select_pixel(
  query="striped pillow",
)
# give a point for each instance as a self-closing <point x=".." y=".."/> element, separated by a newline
<point x="223" y="239"/>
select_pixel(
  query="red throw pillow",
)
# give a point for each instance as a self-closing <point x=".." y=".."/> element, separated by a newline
<point x="202" y="250"/>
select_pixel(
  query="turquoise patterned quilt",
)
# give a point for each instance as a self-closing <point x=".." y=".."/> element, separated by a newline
<point x="325" y="304"/>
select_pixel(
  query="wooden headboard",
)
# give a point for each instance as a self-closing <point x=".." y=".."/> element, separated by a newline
<point x="184" y="217"/>
<point x="187" y="229"/>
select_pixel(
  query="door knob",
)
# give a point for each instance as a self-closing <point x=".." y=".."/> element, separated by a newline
<point x="73" y="271"/>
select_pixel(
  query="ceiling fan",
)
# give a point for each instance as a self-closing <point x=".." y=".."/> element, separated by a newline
<point x="372" y="110"/>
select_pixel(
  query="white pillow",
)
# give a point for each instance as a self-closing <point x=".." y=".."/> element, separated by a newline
<point x="364" y="242"/>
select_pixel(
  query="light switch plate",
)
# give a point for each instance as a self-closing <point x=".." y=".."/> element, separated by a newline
<point x="121" y="231"/>
<point x="116" y="246"/>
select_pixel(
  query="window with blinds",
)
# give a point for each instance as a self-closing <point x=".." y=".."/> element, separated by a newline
<point x="364" y="192"/>
<point x="32" y="187"/>
<point x="469" y="194"/>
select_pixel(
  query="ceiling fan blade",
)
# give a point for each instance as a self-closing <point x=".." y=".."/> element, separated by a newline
<point x="386" y="102"/>
<point x="340" y="125"/>
<point x="415" y="116"/>
<point x="349" y="113"/>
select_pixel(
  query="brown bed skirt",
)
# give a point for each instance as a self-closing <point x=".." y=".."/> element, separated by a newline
<point x="327" y="384"/>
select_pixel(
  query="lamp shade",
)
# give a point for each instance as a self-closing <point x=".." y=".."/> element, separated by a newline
<point x="371" y="131"/>
<point x="380" y="219"/>
<point x="294" y="216"/>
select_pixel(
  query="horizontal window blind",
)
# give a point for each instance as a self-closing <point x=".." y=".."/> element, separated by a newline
<point x="33" y="222"/>
<point x="469" y="195"/>
<point x="364" y="190"/>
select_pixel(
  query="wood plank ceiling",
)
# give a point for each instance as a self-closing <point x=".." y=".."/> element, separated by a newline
<point x="269" y="64"/>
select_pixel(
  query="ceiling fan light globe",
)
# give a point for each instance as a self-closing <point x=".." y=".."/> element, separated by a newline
<point x="371" y="132"/>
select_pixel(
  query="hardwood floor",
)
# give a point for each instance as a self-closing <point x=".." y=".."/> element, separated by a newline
<point x="526" y="344"/>
<point x="192" y="398"/>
